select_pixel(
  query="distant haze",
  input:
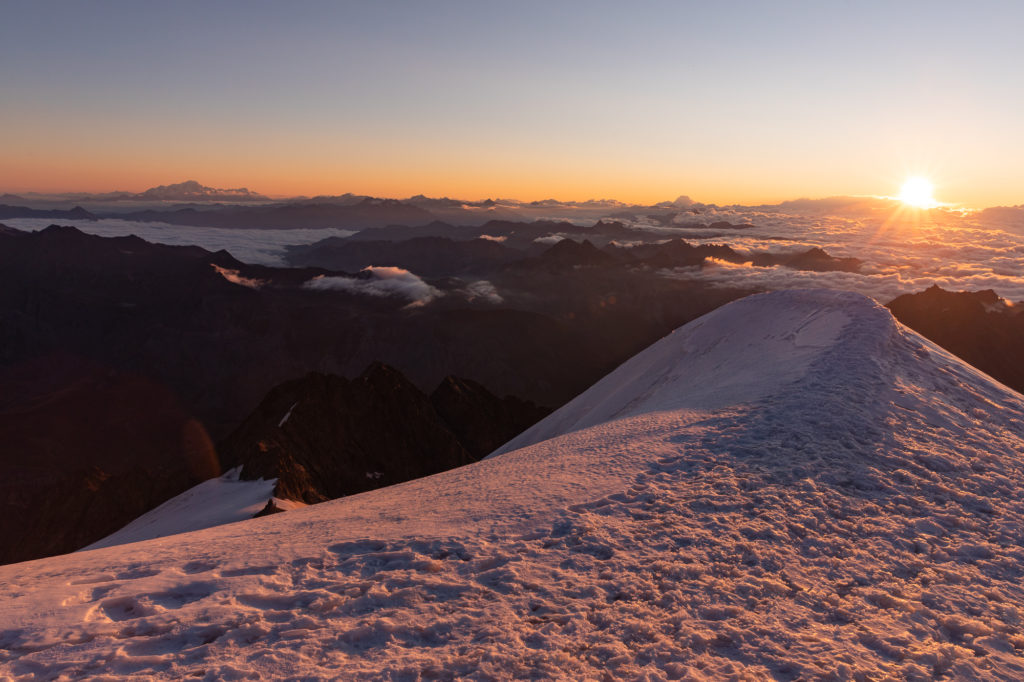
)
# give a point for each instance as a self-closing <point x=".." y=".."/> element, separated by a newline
<point x="728" y="102"/>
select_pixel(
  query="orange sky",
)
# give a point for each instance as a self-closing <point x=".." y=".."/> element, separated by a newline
<point x="568" y="101"/>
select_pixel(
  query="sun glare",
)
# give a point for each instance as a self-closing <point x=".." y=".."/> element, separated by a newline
<point x="917" y="192"/>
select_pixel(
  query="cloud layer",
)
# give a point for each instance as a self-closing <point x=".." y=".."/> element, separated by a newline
<point x="379" y="281"/>
<point x="903" y="253"/>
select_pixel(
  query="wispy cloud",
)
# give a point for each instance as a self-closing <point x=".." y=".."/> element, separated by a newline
<point x="379" y="281"/>
<point x="483" y="290"/>
<point x="235" y="277"/>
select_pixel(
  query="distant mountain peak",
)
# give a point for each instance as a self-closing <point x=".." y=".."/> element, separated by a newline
<point x="192" y="190"/>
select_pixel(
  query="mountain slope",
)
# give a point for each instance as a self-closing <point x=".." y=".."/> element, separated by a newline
<point x="978" y="326"/>
<point x="322" y="437"/>
<point x="843" y="501"/>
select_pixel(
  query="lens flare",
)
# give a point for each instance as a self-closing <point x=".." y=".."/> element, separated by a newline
<point x="917" y="192"/>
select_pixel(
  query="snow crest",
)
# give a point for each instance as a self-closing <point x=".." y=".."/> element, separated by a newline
<point x="737" y="354"/>
<point x="837" y="498"/>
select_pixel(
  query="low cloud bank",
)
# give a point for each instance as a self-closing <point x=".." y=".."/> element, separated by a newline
<point x="379" y="281"/>
<point x="902" y="253"/>
<point x="235" y="277"/>
<point x="483" y="290"/>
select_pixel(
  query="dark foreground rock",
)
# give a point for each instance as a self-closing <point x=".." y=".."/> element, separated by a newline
<point x="978" y="326"/>
<point x="324" y="436"/>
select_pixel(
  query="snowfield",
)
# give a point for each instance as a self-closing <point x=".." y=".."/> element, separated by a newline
<point x="221" y="500"/>
<point x="793" y="486"/>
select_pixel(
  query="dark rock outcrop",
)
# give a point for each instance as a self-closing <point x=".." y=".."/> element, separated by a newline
<point x="815" y="259"/>
<point x="425" y="256"/>
<point x="480" y="420"/>
<point x="678" y="253"/>
<point x="76" y="213"/>
<point x="268" y="509"/>
<point x="978" y="326"/>
<point x="86" y="449"/>
<point x="324" y="437"/>
<point x="566" y="254"/>
<point x="365" y="213"/>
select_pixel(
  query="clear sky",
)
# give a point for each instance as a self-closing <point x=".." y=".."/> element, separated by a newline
<point x="723" y="101"/>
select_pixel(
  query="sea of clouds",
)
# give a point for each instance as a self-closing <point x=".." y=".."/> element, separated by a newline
<point x="903" y="251"/>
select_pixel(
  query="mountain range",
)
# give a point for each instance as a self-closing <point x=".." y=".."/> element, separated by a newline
<point x="114" y="346"/>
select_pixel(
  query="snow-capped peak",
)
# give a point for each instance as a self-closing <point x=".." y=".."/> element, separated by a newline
<point x="736" y="354"/>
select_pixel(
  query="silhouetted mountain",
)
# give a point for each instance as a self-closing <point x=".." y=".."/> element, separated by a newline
<point x="77" y="213"/>
<point x="566" y="254"/>
<point x="86" y="450"/>
<point x="465" y="212"/>
<point x="429" y="256"/>
<point x="303" y="214"/>
<point x="190" y="190"/>
<point x="220" y="333"/>
<point x="480" y="420"/>
<point x="978" y="326"/>
<point x="324" y="437"/>
<point x="514" y="234"/>
<point x="815" y="259"/>
<point x="677" y="253"/>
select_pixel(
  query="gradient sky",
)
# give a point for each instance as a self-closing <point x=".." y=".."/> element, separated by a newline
<point x="722" y="101"/>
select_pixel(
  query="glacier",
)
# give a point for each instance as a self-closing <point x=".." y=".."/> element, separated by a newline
<point x="792" y="486"/>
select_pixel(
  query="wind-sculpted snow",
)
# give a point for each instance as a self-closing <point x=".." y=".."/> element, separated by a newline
<point x="224" y="499"/>
<point x="853" y="511"/>
<point x="707" y="364"/>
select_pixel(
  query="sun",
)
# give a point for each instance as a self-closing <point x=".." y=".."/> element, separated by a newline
<point x="917" y="192"/>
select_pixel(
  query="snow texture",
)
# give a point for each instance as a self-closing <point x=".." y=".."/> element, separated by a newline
<point x="792" y="487"/>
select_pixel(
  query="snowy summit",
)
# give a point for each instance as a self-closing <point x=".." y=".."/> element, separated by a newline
<point x="793" y="486"/>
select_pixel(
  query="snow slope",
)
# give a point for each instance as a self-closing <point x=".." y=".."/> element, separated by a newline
<point x="794" y="486"/>
<point x="211" y="503"/>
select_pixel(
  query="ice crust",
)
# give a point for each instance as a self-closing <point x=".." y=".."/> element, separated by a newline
<point x="794" y="486"/>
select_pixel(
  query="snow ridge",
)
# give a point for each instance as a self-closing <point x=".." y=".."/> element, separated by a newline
<point x="850" y="509"/>
<point x="736" y="354"/>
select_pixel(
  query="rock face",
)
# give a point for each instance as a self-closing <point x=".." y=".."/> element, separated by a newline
<point x="480" y="420"/>
<point x="76" y="213"/>
<point x="427" y="256"/>
<point x="324" y="437"/>
<point x="87" y="452"/>
<point x="680" y="253"/>
<point x="978" y="326"/>
<point x="568" y="254"/>
<point x="815" y="259"/>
